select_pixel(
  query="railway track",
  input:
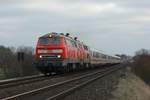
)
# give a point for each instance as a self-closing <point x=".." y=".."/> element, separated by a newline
<point x="61" y="89"/>
<point x="14" y="87"/>
<point x="20" y="81"/>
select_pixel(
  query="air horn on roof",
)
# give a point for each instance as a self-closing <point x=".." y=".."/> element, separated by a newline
<point x="67" y="34"/>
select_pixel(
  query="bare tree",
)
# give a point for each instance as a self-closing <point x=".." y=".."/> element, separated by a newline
<point x="8" y="63"/>
<point x="11" y="67"/>
<point x="27" y="63"/>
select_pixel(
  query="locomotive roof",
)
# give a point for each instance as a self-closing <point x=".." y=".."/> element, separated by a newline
<point x="58" y="34"/>
<point x="48" y="34"/>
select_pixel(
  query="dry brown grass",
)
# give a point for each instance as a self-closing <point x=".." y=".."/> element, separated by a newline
<point x="131" y="88"/>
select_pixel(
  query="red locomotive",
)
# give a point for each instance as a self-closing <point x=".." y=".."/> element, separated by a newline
<point x="56" y="52"/>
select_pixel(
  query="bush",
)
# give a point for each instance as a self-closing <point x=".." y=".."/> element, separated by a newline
<point x="141" y="65"/>
<point x="11" y="67"/>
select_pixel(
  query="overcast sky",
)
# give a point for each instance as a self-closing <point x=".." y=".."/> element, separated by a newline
<point x="114" y="26"/>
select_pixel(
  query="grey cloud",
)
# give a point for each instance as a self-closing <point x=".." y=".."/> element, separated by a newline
<point x="113" y="32"/>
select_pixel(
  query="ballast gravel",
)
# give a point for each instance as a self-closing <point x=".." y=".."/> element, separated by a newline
<point x="100" y="89"/>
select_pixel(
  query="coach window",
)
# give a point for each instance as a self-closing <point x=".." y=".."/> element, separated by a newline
<point x="97" y="55"/>
<point x="103" y="56"/>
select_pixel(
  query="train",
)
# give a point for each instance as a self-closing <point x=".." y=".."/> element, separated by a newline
<point x="60" y="53"/>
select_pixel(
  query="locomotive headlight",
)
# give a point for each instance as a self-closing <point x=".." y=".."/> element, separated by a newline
<point x="59" y="56"/>
<point x="57" y="51"/>
<point x="50" y="36"/>
<point x="40" y="56"/>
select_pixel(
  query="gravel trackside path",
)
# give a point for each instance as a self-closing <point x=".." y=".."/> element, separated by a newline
<point x="100" y="89"/>
<point x="131" y="88"/>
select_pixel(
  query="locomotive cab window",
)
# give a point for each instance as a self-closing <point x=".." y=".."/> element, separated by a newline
<point x="49" y="41"/>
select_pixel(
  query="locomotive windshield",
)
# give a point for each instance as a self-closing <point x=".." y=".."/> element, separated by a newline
<point x="49" y="41"/>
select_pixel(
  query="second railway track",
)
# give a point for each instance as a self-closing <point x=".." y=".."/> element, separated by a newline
<point x="62" y="89"/>
<point x="22" y="80"/>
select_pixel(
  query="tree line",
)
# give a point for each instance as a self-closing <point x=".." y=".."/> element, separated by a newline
<point x="141" y="64"/>
<point x="12" y="66"/>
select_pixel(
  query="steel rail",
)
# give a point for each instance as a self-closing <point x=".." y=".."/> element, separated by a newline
<point x="79" y="86"/>
<point x="18" y="81"/>
<point x="39" y="90"/>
